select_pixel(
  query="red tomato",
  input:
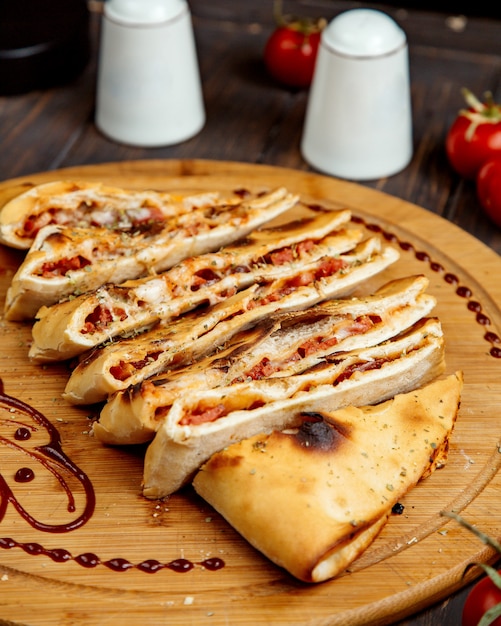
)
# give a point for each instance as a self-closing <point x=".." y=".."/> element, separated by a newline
<point x="475" y="136"/>
<point x="489" y="189"/>
<point x="290" y="54"/>
<point x="483" y="596"/>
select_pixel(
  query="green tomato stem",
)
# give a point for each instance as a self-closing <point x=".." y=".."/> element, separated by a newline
<point x="472" y="100"/>
<point x="490" y="616"/>
<point x="492" y="573"/>
<point x="478" y="113"/>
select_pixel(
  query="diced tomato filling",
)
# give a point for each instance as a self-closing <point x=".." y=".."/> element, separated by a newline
<point x="330" y="266"/>
<point x="34" y="223"/>
<point x="271" y="297"/>
<point x="260" y="370"/>
<point x="357" y="326"/>
<point x="304" y="246"/>
<point x="203" y="416"/>
<point x="364" y="323"/>
<point x="314" y="345"/>
<point x="203" y="278"/>
<point x="327" y="268"/>
<point x="125" y="370"/>
<point x="289" y="254"/>
<point x="280" y="257"/>
<point x="154" y="214"/>
<point x="51" y="269"/>
<point x="30" y="228"/>
<point x="376" y="364"/>
<point x="102" y="316"/>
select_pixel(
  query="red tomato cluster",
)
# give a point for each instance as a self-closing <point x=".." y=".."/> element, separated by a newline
<point x="473" y="147"/>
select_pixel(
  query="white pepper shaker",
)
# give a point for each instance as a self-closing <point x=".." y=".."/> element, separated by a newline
<point x="148" y="86"/>
<point x="358" y="121"/>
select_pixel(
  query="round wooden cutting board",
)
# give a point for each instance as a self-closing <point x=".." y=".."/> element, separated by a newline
<point x="103" y="570"/>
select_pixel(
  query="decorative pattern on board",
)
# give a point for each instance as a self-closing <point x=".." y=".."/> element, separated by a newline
<point x="30" y="436"/>
<point x="462" y="291"/>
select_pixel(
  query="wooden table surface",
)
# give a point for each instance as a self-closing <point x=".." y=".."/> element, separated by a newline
<point x="252" y="119"/>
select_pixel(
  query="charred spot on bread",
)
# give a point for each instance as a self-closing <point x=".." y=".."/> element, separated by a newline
<point x="315" y="433"/>
<point x="57" y="238"/>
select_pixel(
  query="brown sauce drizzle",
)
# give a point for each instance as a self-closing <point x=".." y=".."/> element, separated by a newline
<point x="52" y="458"/>
<point x="24" y="475"/>
<point x="462" y="291"/>
<point x="89" y="560"/>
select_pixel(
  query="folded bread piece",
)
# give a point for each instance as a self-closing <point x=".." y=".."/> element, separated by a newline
<point x="127" y="362"/>
<point x="65" y="261"/>
<point x="88" y="203"/>
<point x="284" y="344"/>
<point x="69" y="328"/>
<point x="312" y="499"/>
<point x="201" y="423"/>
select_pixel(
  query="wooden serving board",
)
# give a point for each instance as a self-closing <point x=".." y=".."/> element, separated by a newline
<point x="419" y="557"/>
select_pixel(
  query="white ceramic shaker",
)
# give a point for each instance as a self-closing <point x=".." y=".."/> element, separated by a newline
<point x="148" y="86"/>
<point x="358" y="122"/>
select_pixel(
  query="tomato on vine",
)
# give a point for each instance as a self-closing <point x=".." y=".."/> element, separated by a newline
<point x="489" y="190"/>
<point x="483" y="603"/>
<point x="485" y="596"/>
<point x="475" y="135"/>
<point x="291" y="50"/>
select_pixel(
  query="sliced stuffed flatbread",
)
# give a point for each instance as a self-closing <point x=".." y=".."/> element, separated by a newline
<point x="201" y="423"/>
<point x="79" y="203"/>
<point x="285" y="344"/>
<point x="65" y="261"/>
<point x="118" y="365"/>
<point x="69" y="328"/>
<point x="328" y="477"/>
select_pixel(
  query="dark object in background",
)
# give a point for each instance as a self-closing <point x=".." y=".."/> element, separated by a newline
<point x="43" y="43"/>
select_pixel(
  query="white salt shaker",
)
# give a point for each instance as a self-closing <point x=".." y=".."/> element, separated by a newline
<point x="148" y="86"/>
<point x="358" y="122"/>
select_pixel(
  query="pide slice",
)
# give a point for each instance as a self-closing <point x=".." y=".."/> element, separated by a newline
<point x="312" y="499"/>
<point x="285" y="344"/>
<point x="64" y="261"/>
<point x="88" y="203"/>
<point x="201" y="423"/>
